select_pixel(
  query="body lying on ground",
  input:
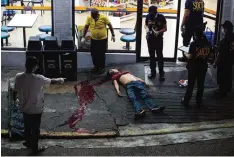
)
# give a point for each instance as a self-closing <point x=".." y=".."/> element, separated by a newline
<point x="135" y="88"/>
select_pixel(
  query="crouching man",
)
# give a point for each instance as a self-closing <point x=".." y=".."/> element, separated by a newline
<point x="135" y="87"/>
<point x="29" y="89"/>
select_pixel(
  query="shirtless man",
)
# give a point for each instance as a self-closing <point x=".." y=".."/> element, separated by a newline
<point x="135" y="87"/>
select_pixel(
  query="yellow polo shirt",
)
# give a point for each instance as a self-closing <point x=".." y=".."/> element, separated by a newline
<point x="98" y="29"/>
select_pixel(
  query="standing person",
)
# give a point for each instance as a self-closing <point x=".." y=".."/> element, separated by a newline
<point x="97" y="23"/>
<point x="29" y="88"/>
<point x="198" y="55"/>
<point x="225" y="60"/>
<point x="193" y="17"/>
<point x="155" y="25"/>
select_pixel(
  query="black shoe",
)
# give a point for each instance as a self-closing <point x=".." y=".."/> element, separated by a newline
<point x="158" y="109"/>
<point x="220" y="94"/>
<point x="140" y="114"/>
<point x="152" y="75"/>
<point x="184" y="103"/>
<point x="38" y="151"/>
<point x="26" y="144"/>
<point x="162" y="77"/>
<point x="94" y="69"/>
<point x="182" y="59"/>
<point x="101" y="70"/>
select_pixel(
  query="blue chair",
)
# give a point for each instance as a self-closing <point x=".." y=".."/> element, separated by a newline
<point x="128" y="39"/>
<point x="127" y="31"/>
<point x="45" y="28"/>
<point x="7" y="29"/>
<point x="7" y="15"/>
<point x="41" y="2"/>
<point x="43" y="36"/>
<point x="4" y="35"/>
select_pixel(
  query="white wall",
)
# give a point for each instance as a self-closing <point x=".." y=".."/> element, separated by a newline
<point x="84" y="60"/>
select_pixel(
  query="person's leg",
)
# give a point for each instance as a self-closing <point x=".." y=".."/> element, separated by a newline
<point x="159" y="52"/>
<point x="151" y="49"/>
<point x="93" y="51"/>
<point x="200" y="86"/>
<point x="222" y="81"/>
<point x="36" y="132"/>
<point x="187" y="35"/>
<point x="229" y="79"/>
<point x="189" y="91"/>
<point x="130" y="89"/>
<point x="27" y="130"/>
<point x="102" y="54"/>
<point x="144" y="95"/>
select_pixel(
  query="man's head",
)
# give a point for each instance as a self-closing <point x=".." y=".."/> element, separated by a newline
<point x="153" y="11"/>
<point x="94" y="13"/>
<point x="198" y="34"/>
<point x="31" y="64"/>
<point x="227" y="27"/>
<point x="111" y="72"/>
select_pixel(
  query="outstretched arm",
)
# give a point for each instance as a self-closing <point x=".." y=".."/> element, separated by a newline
<point x="117" y="88"/>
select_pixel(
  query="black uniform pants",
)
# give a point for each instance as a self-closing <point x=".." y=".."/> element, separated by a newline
<point x="32" y="124"/>
<point x="98" y="52"/>
<point x="156" y="45"/>
<point x="194" y="75"/>
<point x="187" y="35"/>
<point x="224" y="78"/>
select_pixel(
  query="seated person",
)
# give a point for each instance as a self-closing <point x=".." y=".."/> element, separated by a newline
<point x="134" y="87"/>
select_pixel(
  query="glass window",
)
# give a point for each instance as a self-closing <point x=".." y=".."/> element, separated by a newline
<point x="16" y="36"/>
<point x="123" y="19"/>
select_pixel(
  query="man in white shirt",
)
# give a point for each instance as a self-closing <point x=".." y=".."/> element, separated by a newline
<point x="29" y="89"/>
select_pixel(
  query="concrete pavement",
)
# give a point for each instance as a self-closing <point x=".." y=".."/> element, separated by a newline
<point x="202" y="143"/>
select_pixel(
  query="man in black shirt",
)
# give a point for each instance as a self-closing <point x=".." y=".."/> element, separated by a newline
<point x="193" y="17"/>
<point x="155" y="25"/>
<point x="199" y="52"/>
<point x="225" y="60"/>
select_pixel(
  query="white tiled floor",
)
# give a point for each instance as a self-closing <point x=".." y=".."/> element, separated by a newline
<point x="16" y="36"/>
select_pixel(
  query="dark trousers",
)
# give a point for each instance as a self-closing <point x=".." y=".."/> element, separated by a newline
<point x="224" y="78"/>
<point x="194" y="75"/>
<point x="187" y="35"/>
<point x="32" y="124"/>
<point x="156" y="45"/>
<point x="98" y="50"/>
<point x="136" y="90"/>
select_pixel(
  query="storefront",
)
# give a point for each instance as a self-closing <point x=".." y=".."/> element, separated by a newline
<point x="122" y="14"/>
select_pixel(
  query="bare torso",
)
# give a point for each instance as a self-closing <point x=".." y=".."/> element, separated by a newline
<point x="127" y="78"/>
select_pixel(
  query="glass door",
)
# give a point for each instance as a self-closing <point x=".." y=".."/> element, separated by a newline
<point x="170" y="10"/>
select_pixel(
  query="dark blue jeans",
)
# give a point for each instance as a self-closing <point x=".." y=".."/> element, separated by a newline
<point x="136" y="90"/>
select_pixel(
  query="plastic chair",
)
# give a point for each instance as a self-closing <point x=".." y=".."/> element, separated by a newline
<point x="7" y="15"/>
<point x="41" y="2"/>
<point x="43" y="36"/>
<point x="45" y="28"/>
<point x="4" y="35"/>
<point x="128" y="39"/>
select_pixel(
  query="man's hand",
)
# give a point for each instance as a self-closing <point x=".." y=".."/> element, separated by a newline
<point x="214" y="65"/>
<point x="147" y="29"/>
<point x="82" y="40"/>
<point x="119" y="94"/>
<point x="182" y="28"/>
<point x="113" y="38"/>
<point x="60" y="80"/>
